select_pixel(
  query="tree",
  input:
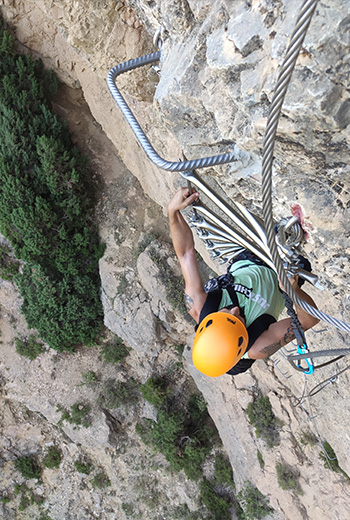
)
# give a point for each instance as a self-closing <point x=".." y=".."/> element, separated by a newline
<point x="44" y="207"/>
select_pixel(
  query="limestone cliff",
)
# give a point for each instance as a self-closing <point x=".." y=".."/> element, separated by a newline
<point x="219" y="65"/>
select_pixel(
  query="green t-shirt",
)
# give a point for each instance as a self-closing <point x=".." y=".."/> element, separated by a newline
<point x="257" y="291"/>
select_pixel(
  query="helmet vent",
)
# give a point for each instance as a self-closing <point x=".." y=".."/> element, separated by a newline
<point x="238" y="353"/>
<point x="240" y="341"/>
<point x="209" y="323"/>
<point x="231" y="321"/>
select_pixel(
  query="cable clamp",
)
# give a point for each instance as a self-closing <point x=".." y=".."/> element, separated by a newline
<point x="158" y="38"/>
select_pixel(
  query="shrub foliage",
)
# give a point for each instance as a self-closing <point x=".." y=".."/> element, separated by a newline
<point x="155" y="391"/>
<point x="29" y="347"/>
<point x="44" y="206"/>
<point x="267" y="425"/>
<point x="114" y="352"/>
<point x="184" y="436"/>
<point x="217" y="505"/>
<point x="53" y="458"/>
<point x="116" y="393"/>
<point x="28" y="467"/>
<point x="78" y="415"/>
<point x="101" y="480"/>
<point x="223" y="472"/>
<point x="255" y="506"/>
<point x="329" y="457"/>
<point x="8" y="265"/>
<point x="287" y="479"/>
<point x="83" y="467"/>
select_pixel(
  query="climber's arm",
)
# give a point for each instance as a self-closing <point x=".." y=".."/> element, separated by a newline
<point x="184" y="248"/>
<point x="281" y="332"/>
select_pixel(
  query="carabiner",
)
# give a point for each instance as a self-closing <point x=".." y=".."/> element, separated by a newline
<point x="304" y="350"/>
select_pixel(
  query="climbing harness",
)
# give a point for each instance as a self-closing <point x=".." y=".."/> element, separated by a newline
<point x="278" y="245"/>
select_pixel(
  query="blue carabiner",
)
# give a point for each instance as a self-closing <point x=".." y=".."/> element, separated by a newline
<point x="304" y="350"/>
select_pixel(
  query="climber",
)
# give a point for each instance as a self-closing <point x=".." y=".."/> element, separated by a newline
<point x="236" y="313"/>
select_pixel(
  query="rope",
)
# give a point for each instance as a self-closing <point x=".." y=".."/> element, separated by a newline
<point x="284" y="78"/>
<point x="297" y="328"/>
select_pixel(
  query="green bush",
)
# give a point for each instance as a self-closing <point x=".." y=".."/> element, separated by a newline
<point x="20" y="488"/>
<point x="28" y="467"/>
<point x="27" y="497"/>
<point x="287" y="479"/>
<point x="8" y="265"/>
<point x="309" y="438"/>
<point x="52" y="458"/>
<point x="128" y="509"/>
<point x="223" y="472"/>
<point x="217" y="505"/>
<point x="89" y="378"/>
<point x="29" y="347"/>
<point x="330" y="460"/>
<point x="185" y="437"/>
<point x="179" y="348"/>
<point x="101" y="480"/>
<point x="255" y="506"/>
<point x="83" y="467"/>
<point x="78" y="415"/>
<point x="114" y="352"/>
<point x="44" y="516"/>
<point x="115" y="393"/>
<point x="24" y="503"/>
<point x="197" y="408"/>
<point x="266" y="424"/>
<point x="154" y="391"/>
<point x="260" y="459"/>
<point x="44" y="208"/>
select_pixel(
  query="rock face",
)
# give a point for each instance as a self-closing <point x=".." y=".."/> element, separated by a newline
<point x="220" y="61"/>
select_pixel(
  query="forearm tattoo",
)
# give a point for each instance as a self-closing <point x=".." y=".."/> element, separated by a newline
<point x="188" y="302"/>
<point x="271" y="349"/>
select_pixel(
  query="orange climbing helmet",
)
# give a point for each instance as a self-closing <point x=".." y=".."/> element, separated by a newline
<point x="220" y="342"/>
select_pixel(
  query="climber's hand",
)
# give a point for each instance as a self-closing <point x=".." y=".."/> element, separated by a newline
<point x="182" y="199"/>
<point x="293" y="280"/>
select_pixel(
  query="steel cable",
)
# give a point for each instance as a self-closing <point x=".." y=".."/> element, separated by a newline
<point x="284" y="78"/>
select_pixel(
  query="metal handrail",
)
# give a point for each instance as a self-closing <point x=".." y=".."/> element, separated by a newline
<point x="177" y="166"/>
